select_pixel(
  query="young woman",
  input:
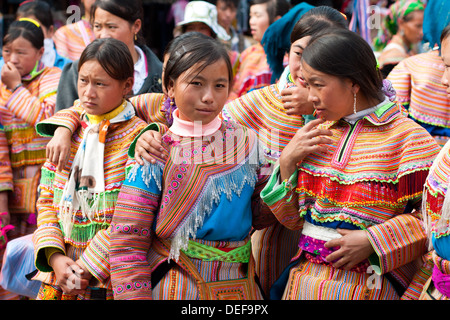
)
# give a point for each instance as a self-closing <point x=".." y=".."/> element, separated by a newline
<point x="121" y="20"/>
<point x="435" y="205"/>
<point x="352" y="184"/>
<point x="27" y="96"/>
<point x="193" y="211"/>
<point x="78" y="202"/>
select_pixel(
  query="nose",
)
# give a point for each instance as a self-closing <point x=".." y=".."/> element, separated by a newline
<point x="207" y="96"/>
<point x="103" y="34"/>
<point x="445" y="78"/>
<point x="14" y="58"/>
<point x="312" y="97"/>
<point x="89" y="91"/>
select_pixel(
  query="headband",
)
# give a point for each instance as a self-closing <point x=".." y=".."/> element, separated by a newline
<point x="32" y="21"/>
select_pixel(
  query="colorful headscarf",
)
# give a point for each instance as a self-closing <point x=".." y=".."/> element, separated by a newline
<point x="389" y="26"/>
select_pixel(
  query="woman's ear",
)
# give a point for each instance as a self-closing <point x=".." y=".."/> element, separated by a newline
<point x="355" y="88"/>
<point x="40" y="53"/>
<point x="137" y="25"/>
<point x="128" y="86"/>
<point x="170" y="89"/>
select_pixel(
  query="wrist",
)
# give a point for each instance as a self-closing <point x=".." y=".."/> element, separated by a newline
<point x="287" y="168"/>
<point x="14" y="88"/>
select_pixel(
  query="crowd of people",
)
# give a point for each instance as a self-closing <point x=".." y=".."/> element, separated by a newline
<point x="303" y="162"/>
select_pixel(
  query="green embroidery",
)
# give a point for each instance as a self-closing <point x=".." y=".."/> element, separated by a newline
<point x="206" y="253"/>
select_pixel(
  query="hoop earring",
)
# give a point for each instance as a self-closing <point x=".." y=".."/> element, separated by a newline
<point x="354" y="103"/>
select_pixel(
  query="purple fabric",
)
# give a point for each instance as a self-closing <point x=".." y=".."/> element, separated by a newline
<point x="389" y="90"/>
<point x="169" y="108"/>
<point x="441" y="281"/>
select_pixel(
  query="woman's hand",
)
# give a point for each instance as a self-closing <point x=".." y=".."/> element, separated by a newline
<point x="58" y="148"/>
<point x="295" y="101"/>
<point x="148" y="144"/>
<point x="10" y="75"/>
<point x="306" y="140"/>
<point x="71" y="278"/>
<point x="354" y="247"/>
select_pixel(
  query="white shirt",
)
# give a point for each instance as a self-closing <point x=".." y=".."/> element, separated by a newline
<point x="140" y="70"/>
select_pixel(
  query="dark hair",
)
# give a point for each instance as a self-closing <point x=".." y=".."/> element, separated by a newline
<point x="129" y="10"/>
<point x="445" y="33"/>
<point x="317" y="21"/>
<point x="191" y="51"/>
<point x="274" y="8"/>
<point x="173" y="44"/>
<point x="26" y="29"/>
<point x="345" y="54"/>
<point x="229" y="3"/>
<point x="39" y="9"/>
<point x="113" y="55"/>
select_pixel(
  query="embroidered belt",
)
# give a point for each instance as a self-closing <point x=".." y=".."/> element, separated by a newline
<point x="204" y="252"/>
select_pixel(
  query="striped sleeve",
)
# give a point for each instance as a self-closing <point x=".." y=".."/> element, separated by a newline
<point x="282" y="200"/>
<point x="48" y="233"/>
<point x="400" y="78"/>
<point x="69" y="118"/>
<point x="130" y="236"/>
<point x="397" y="241"/>
<point x="31" y="108"/>
<point x="148" y="107"/>
<point x="6" y="183"/>
<point x="96" y="256"/>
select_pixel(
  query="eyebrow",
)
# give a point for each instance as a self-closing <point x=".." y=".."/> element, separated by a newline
<point x="299" y="46"/>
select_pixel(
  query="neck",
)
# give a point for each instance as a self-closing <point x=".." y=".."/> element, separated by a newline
<point x="134" y="53"/>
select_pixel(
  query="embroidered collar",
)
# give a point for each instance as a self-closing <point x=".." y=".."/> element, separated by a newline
<point x="378" y="115"/>
<point x="192" y="129"/>
<point x="37" y="70"/>
<point x="95" y="119"/>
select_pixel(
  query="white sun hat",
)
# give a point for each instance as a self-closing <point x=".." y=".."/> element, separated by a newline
<point x="202" y="11"/>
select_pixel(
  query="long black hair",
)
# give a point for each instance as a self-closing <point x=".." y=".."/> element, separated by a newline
<point x="345" y="54"/>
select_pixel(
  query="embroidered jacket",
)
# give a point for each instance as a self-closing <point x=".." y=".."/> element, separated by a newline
<point x="371" y="178"/>
<point x="436" y="213"/>
<point x="50" y="234"/>
<point x="22" y="109"/>
<point x="71" y="39"/>
<point x="417" y="81"/>
<point x="207" y="189"/>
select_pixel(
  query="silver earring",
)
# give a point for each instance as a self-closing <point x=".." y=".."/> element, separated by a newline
<point x="354" y="103"/>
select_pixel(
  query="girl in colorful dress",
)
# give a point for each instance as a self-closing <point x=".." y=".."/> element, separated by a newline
<point x="274" y="113"/>
<point x="27" y="96"/>
<point x="351" y="181"/>
<point x="192" y="212"/>
<point x="78" y="202"/>
<point x="436" y="205"/>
